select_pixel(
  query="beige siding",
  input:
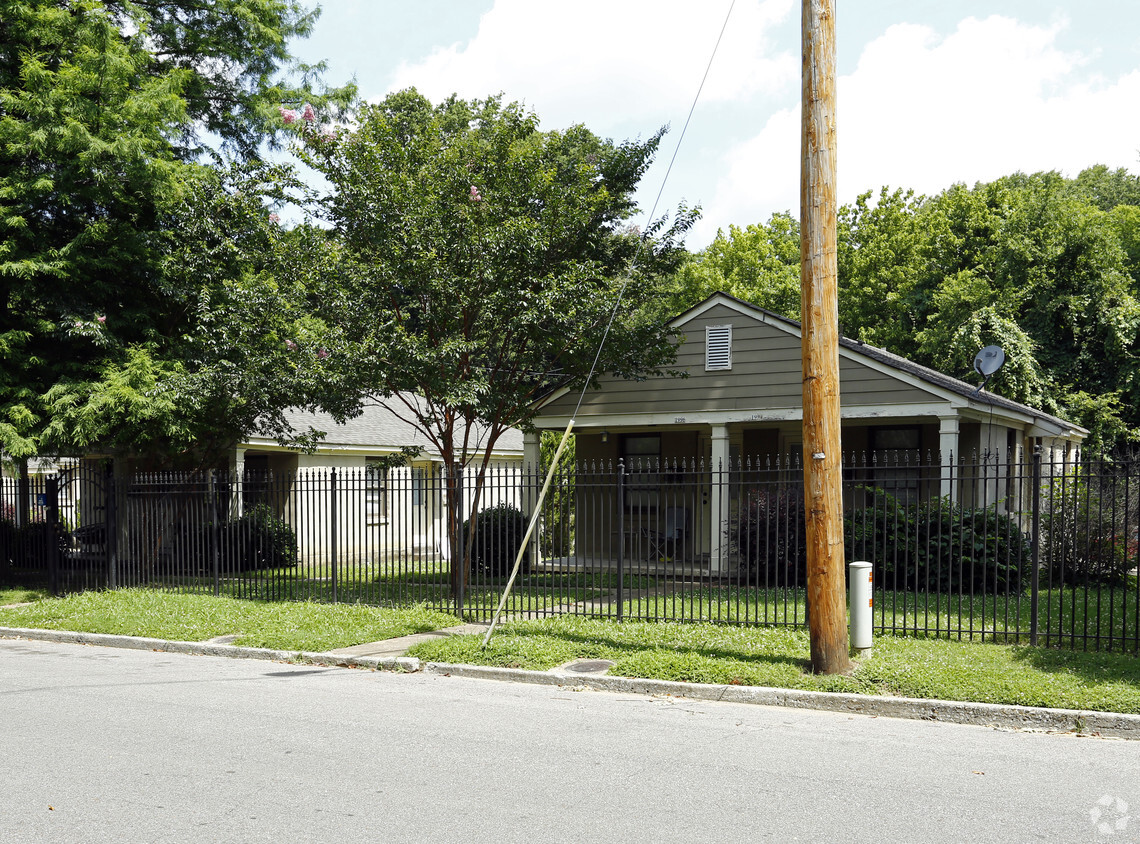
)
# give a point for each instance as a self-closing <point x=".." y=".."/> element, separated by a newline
<point x="765" y="375"/>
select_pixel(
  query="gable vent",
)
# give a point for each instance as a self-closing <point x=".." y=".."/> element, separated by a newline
<point x="718" y="347"/>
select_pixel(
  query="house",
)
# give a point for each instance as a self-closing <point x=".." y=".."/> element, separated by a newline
<point x="346" y="499"/>
<point x="343" y="485"/>
<point x="741" y="406"/>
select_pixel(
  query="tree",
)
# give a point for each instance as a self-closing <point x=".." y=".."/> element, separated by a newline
<point x="759" y="263"/>
<point x="1046" y="267"/>
<point x="236" y="71"/>
<point x="1028" y="260"/>
<point x="478" y="266"/>
<point x="101" y="109"/>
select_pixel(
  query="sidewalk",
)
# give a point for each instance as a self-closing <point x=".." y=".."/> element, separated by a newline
<point x="584" y="675"/>
<point x="390" y="648"/>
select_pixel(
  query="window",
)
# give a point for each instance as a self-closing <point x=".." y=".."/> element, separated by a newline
<point x="718" y="347"/>
<point x="419" y="477"/>
<point x="375" y="493"/>
<point x="642" y="456"/>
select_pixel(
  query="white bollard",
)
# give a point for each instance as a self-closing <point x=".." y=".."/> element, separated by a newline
<point x="862" y="599"/>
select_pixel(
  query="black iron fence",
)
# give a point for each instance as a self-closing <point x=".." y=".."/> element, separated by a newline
<point x="1001" y="547"/>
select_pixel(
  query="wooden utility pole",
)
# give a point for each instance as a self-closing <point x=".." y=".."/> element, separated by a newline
<point x="823" y="459"/>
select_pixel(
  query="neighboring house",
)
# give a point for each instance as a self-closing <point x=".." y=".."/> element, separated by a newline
<point x="742" y="402"/>
<point x="391" y="511"/>
<point x="340" y="498"/>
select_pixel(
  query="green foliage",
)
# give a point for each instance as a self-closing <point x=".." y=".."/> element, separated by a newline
<point x="938" y="546"/>
<point x="129" y="273"/>
<point x="237" y="70"/>
<point x="474" y="264"/>
<point x="477" y="259"/>
<point x="496" y="536"/>
<point x="1089" y="533"/>
<point x="769" y="536"/>
<point x="917" y="546"/>
<point x="759" y="263"/>
<point x="258" y="539"/>
<point x="1044" y="266"/>
<point x="558" y="512"/>
<point x="880" y="259"/>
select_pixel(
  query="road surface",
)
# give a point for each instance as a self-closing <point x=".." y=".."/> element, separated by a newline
<point x="99" y="744"/>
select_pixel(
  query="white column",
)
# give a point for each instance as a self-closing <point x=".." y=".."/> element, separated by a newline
<point x="237" y="476"/>
<point x="718" y="500"/>
<point x="947" y="446"/>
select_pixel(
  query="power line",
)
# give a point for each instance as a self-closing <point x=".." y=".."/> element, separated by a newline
<point x="602" y="343"/>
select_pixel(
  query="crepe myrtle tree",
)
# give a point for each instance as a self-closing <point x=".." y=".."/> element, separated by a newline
<point x="477" y="265"/>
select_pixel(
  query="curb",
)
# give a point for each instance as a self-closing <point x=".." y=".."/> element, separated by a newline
<point x="106" y="640"/>
<point x="999" y="716"/>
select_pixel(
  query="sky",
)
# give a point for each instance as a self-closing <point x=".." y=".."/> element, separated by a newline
<point x="931" y="92"/>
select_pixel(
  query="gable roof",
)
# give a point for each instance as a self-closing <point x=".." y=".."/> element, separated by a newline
<point x="882" y="359"/>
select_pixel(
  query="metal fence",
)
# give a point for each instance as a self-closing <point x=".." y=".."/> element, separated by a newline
<point x="1006" y="548"/>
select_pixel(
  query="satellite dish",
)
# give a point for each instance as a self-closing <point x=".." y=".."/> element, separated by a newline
<point x="988" y="361"/>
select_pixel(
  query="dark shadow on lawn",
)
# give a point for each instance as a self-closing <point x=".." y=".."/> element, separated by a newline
<point x="1096" y="666"/>
<point x="614" y="644"/>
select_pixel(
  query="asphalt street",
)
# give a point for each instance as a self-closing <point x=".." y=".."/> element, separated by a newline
<point x="100" y="744"/>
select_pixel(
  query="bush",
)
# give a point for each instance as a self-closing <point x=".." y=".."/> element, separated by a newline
<point x="769" y="536"/>
<point x="1087" y="537"/>
<point x="937" y="546"/>
<point x="926" y="546"/>
<point x="25" y="552"/>
<point x="258" y="539"/>
<point x="499" y="533"/>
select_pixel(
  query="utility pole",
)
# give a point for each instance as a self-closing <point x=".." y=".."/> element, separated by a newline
<point x="823" y="458"/>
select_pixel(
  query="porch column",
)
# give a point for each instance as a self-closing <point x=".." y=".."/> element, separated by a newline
<point x="531" y="484"/>
<point x="718" y="501"/>
<point x="237" y="477"/>
<point x="947" y="446"/>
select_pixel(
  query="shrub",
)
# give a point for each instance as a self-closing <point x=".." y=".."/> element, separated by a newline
<point x="769" y="536"/>
<point x="936" y="545"/>
<point x="258" y="539"/>
<point x="499" y="533"/>
<point x="928" y="546"/>
<point x="1087" y="535"/>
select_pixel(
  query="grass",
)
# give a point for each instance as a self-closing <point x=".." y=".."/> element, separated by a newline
<point x="291" y="626"/>
<point x="779" y="656"/>
<point x="911" y="666"/>
<point x="21" y="595"/>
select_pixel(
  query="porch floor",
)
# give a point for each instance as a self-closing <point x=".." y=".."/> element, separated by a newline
<point x="698" y="568"/>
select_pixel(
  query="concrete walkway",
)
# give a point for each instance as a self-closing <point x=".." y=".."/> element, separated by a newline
<point x="399" y="646"/>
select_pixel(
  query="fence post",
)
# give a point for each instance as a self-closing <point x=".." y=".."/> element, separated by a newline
<point x="621" y="540"/>
<point x="461" y="541"/>
<point x="1035" y="553"/>
<point x="215" y="531"/>
<point x="51" y="502"/>
<point x="111" y="527"/>
<point x="333" y="537"/>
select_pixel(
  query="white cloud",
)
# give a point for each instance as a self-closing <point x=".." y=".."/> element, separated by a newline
<point x="924" y="112"/>
<point x="607" y="64"/>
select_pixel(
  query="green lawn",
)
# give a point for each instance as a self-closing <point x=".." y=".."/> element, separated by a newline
<point x="291" y="626"/>
<point x="20" y="595"/>
<point x="779" y="656"/>
<point x="911" y="666"/>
